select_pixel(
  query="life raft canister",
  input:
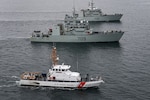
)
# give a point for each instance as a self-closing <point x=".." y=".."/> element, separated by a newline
<point x="50" y="30"/>
<point x="52" y="78"/>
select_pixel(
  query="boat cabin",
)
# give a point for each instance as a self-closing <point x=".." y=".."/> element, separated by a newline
<point x="62" y="73"/>
<point x="60" y="68"/>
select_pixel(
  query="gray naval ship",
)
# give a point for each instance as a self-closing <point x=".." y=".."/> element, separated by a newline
<point x="77" y="31"/>
<point x="95" y="14"/>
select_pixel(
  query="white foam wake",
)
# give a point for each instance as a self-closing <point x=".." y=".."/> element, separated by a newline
<point x="6" y="86"/>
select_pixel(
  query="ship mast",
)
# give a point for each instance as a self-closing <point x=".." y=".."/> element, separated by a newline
<point x="54" y="56"/>
<point x="74" y="11"/>
<point x="92" y="5"/>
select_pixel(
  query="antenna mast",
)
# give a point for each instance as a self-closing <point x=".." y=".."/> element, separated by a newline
<point x="77" y="63"/>
<point x="74" y="11"/>
<point x="54" y="56"/>
<point x="92" y="5"/>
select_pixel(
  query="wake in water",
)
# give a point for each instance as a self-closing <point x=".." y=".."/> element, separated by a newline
<point x="12" y="77"/>
<point x="8" y="85"/>
<point x="8" y="81"/>
<point x="8" y="38"/>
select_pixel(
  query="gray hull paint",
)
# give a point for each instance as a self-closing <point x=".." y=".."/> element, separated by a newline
<point x="109" y="37"/>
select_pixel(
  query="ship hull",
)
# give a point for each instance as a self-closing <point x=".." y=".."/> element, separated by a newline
<point x="101" y="37"/>
<point x="56" y="84"/>
<point x="104" y="18"/>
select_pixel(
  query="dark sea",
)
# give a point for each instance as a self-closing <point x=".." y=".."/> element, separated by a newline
<point x="124" y="66"/>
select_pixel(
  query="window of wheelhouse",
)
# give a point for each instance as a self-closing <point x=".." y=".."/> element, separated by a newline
<point x="66" y="69"/>
<point x="60" y="69"/>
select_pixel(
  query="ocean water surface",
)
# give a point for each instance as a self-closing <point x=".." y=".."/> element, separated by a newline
<point x="124" y="66"/>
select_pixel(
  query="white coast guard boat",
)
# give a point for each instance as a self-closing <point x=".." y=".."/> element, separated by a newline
<point x="59" y="76"/>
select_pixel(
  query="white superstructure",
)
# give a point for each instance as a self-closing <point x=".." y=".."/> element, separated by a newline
<point x="62" y="73"/>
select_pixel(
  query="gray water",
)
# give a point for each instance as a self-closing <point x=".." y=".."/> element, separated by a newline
<point x="124" y="66"/>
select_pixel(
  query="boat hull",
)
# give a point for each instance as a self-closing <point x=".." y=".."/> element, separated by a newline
<point x="104" y="18"/>
<point x="100" y="37"/>
<point x="56" y="84"/>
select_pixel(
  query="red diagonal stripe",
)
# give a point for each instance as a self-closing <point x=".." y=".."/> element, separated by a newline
<point x="81" y="84"/>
